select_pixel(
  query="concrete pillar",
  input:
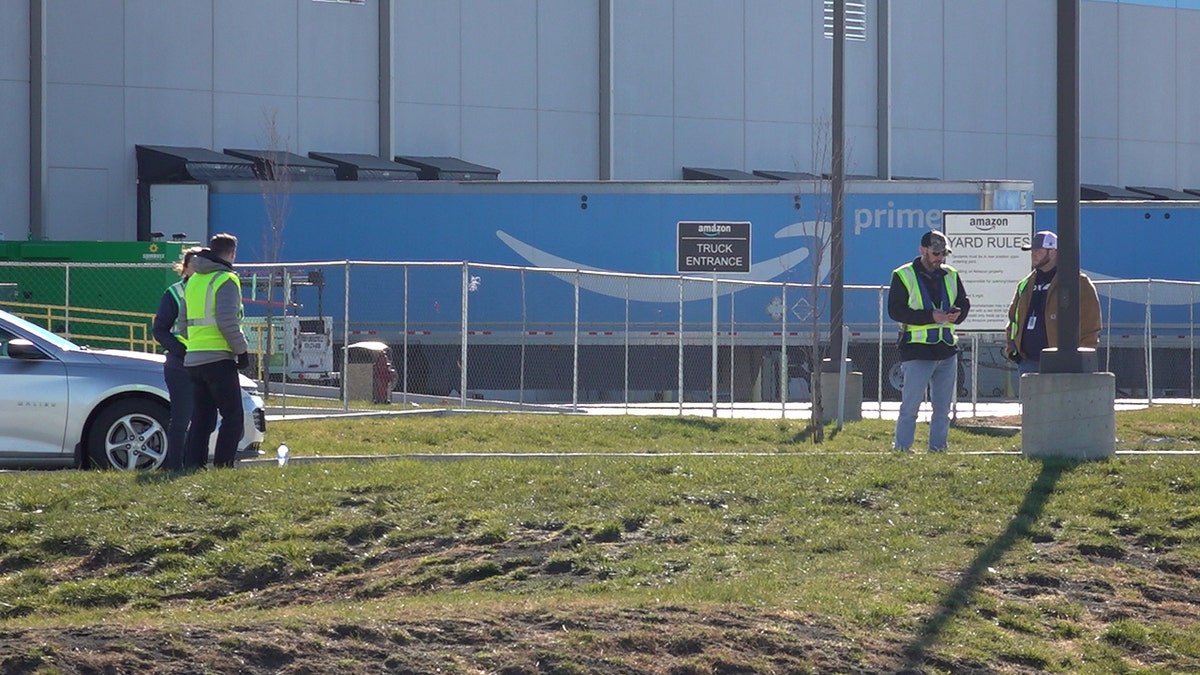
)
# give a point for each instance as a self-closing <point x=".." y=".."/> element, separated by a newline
<point x="1068" y="415"/>
<point x="854" y="396"/>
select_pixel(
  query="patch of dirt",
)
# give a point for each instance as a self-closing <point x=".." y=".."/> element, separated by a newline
<point x="583" y="636"/>
<point x="996" y="422"/>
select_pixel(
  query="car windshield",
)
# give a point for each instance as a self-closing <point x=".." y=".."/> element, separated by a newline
<point x="57" y="341"/>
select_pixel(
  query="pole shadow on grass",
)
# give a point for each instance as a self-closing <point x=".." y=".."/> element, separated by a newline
<point x="973" y="577"/>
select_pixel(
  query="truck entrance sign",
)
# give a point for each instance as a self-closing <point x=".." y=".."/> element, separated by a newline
<point x="713" y="247"/>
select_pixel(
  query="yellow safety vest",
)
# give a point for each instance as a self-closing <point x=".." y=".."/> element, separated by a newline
<point x="930" y="333"/>
<point x="176" y="291"/>
<point x="1014" y="328"/>
<point x="200" y="297"/>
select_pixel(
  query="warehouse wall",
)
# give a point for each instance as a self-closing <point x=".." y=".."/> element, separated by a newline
<point x="740" y="84"/>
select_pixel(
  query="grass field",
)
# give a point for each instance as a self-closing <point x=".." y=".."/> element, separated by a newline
<point x="658" y="545"/>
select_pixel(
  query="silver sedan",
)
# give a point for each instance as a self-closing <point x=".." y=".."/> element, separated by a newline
<point x="65" y="405"/>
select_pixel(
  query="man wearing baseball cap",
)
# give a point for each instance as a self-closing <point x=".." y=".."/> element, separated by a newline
<point x="1033" y="314"/>
<point x="927" y="300"/>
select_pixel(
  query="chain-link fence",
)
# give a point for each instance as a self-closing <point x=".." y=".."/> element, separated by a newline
<point x="523" y="336"/>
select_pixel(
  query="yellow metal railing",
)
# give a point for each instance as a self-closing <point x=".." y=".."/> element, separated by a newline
<point x="113" y="329"/>
<point x="94" y="327"/>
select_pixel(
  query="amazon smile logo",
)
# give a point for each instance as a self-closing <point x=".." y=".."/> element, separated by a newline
<point x="667" y="290"/>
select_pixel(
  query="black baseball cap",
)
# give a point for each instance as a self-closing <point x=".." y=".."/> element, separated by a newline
<point x="935" y="241"/>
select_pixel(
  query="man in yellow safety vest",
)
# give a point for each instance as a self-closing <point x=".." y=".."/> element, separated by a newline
<point x="216" y="351"/>
<point x="928" y="300"/>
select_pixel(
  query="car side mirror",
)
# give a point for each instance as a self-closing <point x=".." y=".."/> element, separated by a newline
<point x="20" y="348"/>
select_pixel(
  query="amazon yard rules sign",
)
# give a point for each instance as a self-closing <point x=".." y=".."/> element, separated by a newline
<point x="713" y="247"/>
<point x="986" y="251"/>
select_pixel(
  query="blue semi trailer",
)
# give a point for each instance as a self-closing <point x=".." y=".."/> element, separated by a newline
<point x="631" y="227"/>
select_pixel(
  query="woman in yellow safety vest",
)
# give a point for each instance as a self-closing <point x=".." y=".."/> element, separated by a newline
<point x="179" y="383"/>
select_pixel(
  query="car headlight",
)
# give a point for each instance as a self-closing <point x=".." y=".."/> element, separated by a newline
<point x="247" y="384"/>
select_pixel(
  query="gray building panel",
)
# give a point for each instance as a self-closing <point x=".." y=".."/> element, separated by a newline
<point x="1187" y="85"/>
<point x="568" y="146"/>
<point x="502" y="138"/>
<point x="1098" y="70"/>
<point x="917" y="71"/>
<point x="75" y="113"/>
<point x="85" y="42"/>
<point x="1147" y="75"/>
<point x="1032" y="83"/>
<point x="346" y="124"/>
<point x="709" y="142"/>
<point x="255" y="47"/>
<point x="169" y="45"/>
<point x="1031" y="156"/>
<point x="337" y="51"/>
<point x="568" y="61"/>
<point x="709" y="61"/>
<point x="1145" y="163"/>
<point x="975" y="154"/>
<point x="14" y="42"/>
<point x="976" y="85"/>
<point x="861" y="156"/>
<point x="428" y="129"/>
<point x="918" y="152"/>
<point x="861" y="62"/>
<point x="738" y="84"/>
<point x="428" y="53"/>
<point x="83" y="205"/>
<point x="781" y="146"/>
<point x="249" y="121"/>
<point x="14" y="160"/>
<point x="645" y="148"/>
<point x="643" y="60"/>
<point x="499" y="54"/>
<point x="779" y="84"/>
<point x="1188" y="165"/>
<point x="168" y="117"/>
<point x="1098" y="160"/>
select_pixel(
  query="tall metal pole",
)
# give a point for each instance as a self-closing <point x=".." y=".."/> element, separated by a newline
<point x="605" y="169"/>
<point x="883" y="90"/>
<point x="385" y="58"/>
<point x="838" y="176"/>
<point x="37" y="120"/>
<point x="1067" y="358"/>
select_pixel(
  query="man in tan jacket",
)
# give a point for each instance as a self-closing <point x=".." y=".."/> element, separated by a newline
<point x="1033" y="314"/>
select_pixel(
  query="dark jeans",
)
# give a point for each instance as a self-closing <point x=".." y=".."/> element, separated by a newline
<point x="215" y="389"/>
<point x="179" y="388"/>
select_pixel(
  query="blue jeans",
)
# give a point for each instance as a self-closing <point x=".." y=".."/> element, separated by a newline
<point x="179" y="388"/>
<point x="1026" y="366"/>
<point x="939" y="378"/>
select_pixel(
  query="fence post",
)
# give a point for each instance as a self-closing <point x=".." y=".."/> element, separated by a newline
<point x="462" y="349"/>
<point x="783" y="355"/>
<point x="575" y="348"/>
<point x="345" y="341"/>
<point x="974" y="374"/>
<point x="1192" y="344"/>
<point x="524" y="339"/>
<point x="66" y="301"/>
<point x="879" y="361"/>
<point x="1149" y="359"/>
<point x="732" y="351"/>
<point x="841" y="408"/>
<point x="404" y="338"/>
<point x="626" y="345"/>
<point x="714" y="344"/>
<point x="679" y="394"/>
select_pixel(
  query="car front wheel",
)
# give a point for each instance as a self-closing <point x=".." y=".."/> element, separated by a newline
<point x="129" y="435"/>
